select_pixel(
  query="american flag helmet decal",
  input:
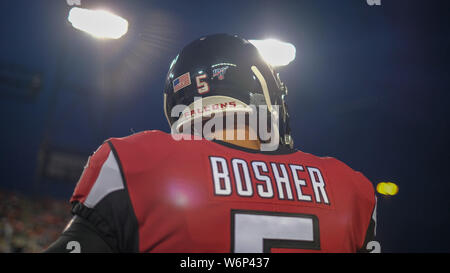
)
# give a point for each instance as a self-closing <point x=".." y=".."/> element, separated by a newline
<point x="181" y="82"/>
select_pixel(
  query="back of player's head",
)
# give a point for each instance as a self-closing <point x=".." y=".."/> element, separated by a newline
<point x="223" y="73"/>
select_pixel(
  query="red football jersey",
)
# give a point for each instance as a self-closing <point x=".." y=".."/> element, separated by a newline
<point x="157" y="194"/>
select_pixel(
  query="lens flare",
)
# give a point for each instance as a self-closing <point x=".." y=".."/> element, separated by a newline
<point x="387" y="188"/>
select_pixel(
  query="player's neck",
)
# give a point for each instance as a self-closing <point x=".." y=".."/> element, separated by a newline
<point x="231" y="136"/>
<point x="249" y="144"/>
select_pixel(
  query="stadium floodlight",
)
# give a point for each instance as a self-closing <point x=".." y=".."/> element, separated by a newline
<point x="98" y="23"/>
<point x="276" y="53"/>
<point x="387" y="188"/>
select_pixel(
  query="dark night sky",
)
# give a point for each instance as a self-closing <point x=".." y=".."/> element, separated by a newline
<point x="369" y="86"/>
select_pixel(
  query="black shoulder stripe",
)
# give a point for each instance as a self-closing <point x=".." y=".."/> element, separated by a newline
<point x="130" y="227"/>
<point x="116" y="156"/>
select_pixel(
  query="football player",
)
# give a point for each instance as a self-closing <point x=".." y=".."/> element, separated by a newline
<point x="215" y="185"/>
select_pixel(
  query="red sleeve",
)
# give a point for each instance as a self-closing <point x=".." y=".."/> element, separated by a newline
<point x="90" y="173"/>
<point x="367" y="196"/>
<point x="370" y="244"/>
<point x="101" y="197"/>
<point x="363" y="205"/>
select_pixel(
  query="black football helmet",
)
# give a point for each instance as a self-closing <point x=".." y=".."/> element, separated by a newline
<point x="223" y="69"/>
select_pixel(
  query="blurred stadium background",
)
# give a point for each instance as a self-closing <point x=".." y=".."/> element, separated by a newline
<point x="369" y="86"/>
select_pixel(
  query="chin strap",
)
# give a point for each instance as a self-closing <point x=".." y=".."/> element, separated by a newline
<point x="265" y="89"/>
<point x="286" y="138"/>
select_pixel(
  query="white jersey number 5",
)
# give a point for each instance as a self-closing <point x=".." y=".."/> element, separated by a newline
<point x="260" y="231"/>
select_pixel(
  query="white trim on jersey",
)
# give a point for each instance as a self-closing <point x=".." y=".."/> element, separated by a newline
<point x="109" y="180"/>
<point x="374" y="217"/>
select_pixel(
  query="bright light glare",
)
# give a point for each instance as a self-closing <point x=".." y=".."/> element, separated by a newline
<point x="387" y="188"/>
<point x="275" y="52"/>
<point x="98" y="23"/>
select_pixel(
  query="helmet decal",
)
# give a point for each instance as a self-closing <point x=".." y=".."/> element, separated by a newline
<point x="181" y="82"/>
